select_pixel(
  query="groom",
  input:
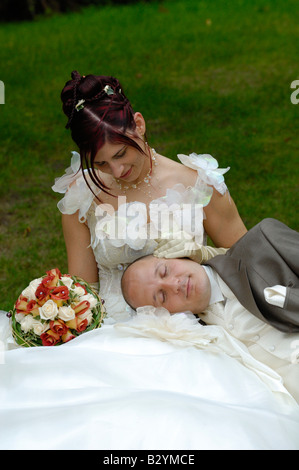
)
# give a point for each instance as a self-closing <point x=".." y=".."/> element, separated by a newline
<point x="261" y="270"/>
<point x="252" y="292"/>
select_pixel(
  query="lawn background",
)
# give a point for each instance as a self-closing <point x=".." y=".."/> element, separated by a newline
<point x="209" y="77"/>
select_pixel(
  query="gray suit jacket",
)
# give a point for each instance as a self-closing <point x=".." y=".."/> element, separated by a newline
<point x="265" y="256"/>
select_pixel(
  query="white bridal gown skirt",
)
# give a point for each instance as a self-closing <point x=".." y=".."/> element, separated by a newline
<point x="110" y="390"/>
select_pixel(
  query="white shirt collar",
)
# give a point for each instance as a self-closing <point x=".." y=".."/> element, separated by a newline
<point x="216" y="294"/>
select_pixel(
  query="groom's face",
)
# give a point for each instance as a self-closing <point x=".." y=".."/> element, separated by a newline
<point x="176" y="284"/>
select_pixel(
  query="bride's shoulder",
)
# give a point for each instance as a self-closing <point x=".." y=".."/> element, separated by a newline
<point x="195" y="169"/>
<point x="175" y="172"/>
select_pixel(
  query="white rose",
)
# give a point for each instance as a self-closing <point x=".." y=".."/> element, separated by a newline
<point x="30" y="290"/>
<point x="35" y="283"/>
<point x="27" y="323"/>
<point x="19" y="317"/>
<point x="78" y="290"/>
<point x="67" y="281"/>
<point x="48" y="311"/>
<point x="90" y="298"/>
<point x="88" y="315"/>
<point x="39" y="328"/>
<point x="66" y="313"/>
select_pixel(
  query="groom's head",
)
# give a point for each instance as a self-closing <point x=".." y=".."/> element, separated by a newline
<point x="176" y="284"/>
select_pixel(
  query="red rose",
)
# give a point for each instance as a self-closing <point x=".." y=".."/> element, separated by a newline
<point x="81" y="307"/>
<point x="55" y="272"/>
<point x="78" y="324"/>
<point x="21" y="304"/>
<point x="60" y="293"/>
<point x="32" y="307"/>
<point x="42" y="294"/>
<point x="52" y="278"/>
<point x="59" y="327"/>
<point x="50" y="281"/>
<point x="50" y="338"/>
<point x="67" y="336"/>
<point x="81" y="324"/>
<point x="24" y="306"/>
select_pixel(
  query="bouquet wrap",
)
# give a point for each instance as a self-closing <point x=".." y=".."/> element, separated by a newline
<point x="54" y="309"/>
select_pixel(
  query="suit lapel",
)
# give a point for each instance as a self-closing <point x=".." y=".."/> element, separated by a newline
<point x="233" y="272"/>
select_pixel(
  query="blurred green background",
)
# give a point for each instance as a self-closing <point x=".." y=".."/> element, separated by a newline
<point x="209" y="77"/>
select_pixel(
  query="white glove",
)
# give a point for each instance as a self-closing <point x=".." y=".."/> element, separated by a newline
<point x="186" y="248"/>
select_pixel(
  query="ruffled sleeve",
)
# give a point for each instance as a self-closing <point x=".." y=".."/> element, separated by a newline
<point x="78" y="196"/>
<point x="207" y="169"/>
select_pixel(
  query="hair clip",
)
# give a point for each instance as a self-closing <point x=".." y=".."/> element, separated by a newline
<point x="80" y="105"/>
<point x="107" y="89"/>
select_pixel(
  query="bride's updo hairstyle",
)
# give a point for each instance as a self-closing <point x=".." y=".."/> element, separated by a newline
<point x="98" y="112"/>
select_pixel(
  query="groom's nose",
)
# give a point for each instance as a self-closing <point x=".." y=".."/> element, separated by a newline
<point x="171" y="284"/>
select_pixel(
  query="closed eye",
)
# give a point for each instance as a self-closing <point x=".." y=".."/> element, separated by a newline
<point x="161" y="271"/>
<point x="164" y="271"/>
<point x="120" y="155"/>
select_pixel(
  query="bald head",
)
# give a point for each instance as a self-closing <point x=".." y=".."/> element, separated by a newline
<point x="175" y="284"/>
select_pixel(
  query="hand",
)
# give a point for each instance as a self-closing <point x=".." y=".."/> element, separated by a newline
<point x="183" y="247"/>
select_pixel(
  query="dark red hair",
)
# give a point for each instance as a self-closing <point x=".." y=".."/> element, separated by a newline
<point x="104" y="117"/>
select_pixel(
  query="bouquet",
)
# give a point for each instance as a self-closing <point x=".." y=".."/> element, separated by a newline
<point x="54" y="309"/>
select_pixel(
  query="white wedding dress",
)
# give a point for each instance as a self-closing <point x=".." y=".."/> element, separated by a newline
<point x="146" y="381"/>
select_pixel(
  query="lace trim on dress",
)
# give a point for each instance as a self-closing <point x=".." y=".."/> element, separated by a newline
<point x="181" y="209"/>
<point x="126" y="226"/>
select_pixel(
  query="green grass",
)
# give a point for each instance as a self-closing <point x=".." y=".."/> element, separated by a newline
<point x="209" y="76"/>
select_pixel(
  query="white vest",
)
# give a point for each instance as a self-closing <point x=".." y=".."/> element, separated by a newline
<point x="276" y="349"/>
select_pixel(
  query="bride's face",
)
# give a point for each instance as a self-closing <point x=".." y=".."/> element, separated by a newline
<point x="123" y="162"/>
<point x="120" y="161"/>
<point x="176" y="284"/>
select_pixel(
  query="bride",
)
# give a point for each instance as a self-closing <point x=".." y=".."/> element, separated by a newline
<point x="145" y="381"/>
<point x="125" y="176"/>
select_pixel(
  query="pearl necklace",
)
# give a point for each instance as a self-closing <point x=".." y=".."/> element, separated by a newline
<point x="146" y="179"/>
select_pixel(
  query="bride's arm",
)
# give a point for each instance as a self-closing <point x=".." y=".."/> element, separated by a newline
<point x="223" y="223"/>
<point x="81" y="260"/>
